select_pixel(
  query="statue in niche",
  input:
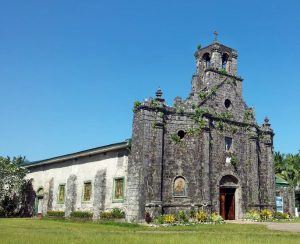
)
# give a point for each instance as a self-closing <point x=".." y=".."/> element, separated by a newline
<point x="179" y="187"/>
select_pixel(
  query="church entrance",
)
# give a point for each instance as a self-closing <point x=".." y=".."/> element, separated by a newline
<point x="229" y="197"/>
<point x="227" y="203"/>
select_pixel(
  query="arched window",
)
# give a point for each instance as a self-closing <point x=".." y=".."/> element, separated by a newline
<point x="40" y="192"/>
<point x="179" y="187"/>
<point x="224" y="60"/>
<point x="206" y="59"/>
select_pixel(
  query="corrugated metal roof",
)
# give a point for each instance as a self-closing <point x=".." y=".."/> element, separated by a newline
<point x="88" y="152"/>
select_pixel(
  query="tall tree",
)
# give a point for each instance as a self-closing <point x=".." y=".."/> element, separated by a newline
<point x="287" y="166"/>
<point x="12" y="178"/>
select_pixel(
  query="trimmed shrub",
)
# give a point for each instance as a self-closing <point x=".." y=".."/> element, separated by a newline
<point x="169" y="218"/>
<point x="182" y="217"/>
<point x="252" y="215"/>
<point x="192" y="213"/>
<point x="159" y="220"/>
<point x="202" y="216"/>
<point x="266" y="214"/>
<point x="216" y="218"/>
<point x="280" y="216"/>
<point x="56" y="214"/>
<point x="82" y="214"/>
<point x="106" y="215"/>
<point x="115" y="213"/>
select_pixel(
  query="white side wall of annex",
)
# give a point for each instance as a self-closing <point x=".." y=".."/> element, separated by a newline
<point x="85" y="169"/>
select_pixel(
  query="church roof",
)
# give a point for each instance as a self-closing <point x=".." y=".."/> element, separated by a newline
<point x="280" y="182"/>
<point x="89" y="152"/>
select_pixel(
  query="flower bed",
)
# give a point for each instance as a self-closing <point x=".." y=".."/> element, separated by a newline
<point x="265" y="215"/>
<point x="183" y="219"/>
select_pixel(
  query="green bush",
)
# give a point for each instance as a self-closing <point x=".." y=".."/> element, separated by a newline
<point x="82" y="214"/>
<point x="279" y="215"/>
<point x="192" y="213"/>
<point x="169" y="218"/>
<point x="266" y="214"/>
<point x="252" y="215"/>
<point x="216" y="218"/>
<point x="159" y="220"/>
<point x="115" y="213"/>
<point x="182" y="217"/>
<point x="55" y="213"/>
<point x="105" y="215"/>
<point x="201" y="216"/>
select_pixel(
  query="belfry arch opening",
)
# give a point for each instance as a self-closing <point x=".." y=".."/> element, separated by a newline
<point x="206" y="59"/>
<point x="225" y="57"/>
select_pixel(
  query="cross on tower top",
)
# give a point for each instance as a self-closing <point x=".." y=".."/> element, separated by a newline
<point x="216" y="36"/>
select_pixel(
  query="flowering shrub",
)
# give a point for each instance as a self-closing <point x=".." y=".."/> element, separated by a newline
<point x="181" y="218"/>
<point x="252" y="215"/>
<point x="216" y="218"/>
<point x="266" y="214"/>
<point x="169" y="218"/>
<point x="281" y="216"/>
<point x="202" y="216"/>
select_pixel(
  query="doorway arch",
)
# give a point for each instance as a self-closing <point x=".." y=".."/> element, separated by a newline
<point x="39" y="201"/>
<point x="229" y="197"/>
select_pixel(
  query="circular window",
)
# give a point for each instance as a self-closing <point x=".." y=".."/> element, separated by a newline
<point x="227" y="103"/>
<point x="181" y="134"/>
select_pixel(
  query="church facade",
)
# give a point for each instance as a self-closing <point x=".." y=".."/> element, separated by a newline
<point x="204" y="152"/>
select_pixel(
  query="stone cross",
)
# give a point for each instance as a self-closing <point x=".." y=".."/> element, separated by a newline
<point x="216" y="36"/>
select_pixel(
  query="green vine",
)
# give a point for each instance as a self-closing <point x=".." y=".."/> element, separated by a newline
<point x="223" y="71"/>
<point x="136" y="104"/>
<point x="202" y="95"/>
<point x="161" y="114"/>
<point x="234" y="160"/>
<point x="175" y="138"/>
<point x="248" y="115"/>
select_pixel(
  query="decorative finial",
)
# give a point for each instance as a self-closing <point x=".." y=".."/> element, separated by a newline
<point x="158" y="93"/>
<point x="267" y="120"/>
<point x="216" y="36"/>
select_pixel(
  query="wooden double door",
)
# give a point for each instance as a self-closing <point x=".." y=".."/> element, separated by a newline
<point x="227" y="203"/>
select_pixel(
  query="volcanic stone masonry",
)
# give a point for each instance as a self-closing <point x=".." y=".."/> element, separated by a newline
<point x="205" y="152"/>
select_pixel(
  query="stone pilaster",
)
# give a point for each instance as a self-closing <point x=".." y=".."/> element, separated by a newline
<point x="252" y="173"/>
<point x="99" y="193"/>
<point x="206" y="167"/>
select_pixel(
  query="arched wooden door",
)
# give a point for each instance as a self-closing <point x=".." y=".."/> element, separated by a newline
<point x="227" y="203"/>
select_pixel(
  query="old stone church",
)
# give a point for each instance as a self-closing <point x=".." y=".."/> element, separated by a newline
<point x="204" y="152"/>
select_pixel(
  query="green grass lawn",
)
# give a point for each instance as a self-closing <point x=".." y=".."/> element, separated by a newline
<point x="60" y="231"/>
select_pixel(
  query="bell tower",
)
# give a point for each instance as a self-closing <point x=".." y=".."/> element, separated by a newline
<point x="216" y="58"/>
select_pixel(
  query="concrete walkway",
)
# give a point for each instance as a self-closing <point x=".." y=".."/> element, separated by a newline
<point x="291" y="227"/>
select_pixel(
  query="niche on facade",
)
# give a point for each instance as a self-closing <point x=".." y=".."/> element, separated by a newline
<point x="40" y="193"/>
<point x="179" y="187"/>
<point x="118" y="191"/>
<point x="228" y="144"/>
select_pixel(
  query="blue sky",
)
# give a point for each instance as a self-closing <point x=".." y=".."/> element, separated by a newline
<point x="71" y="70"/>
